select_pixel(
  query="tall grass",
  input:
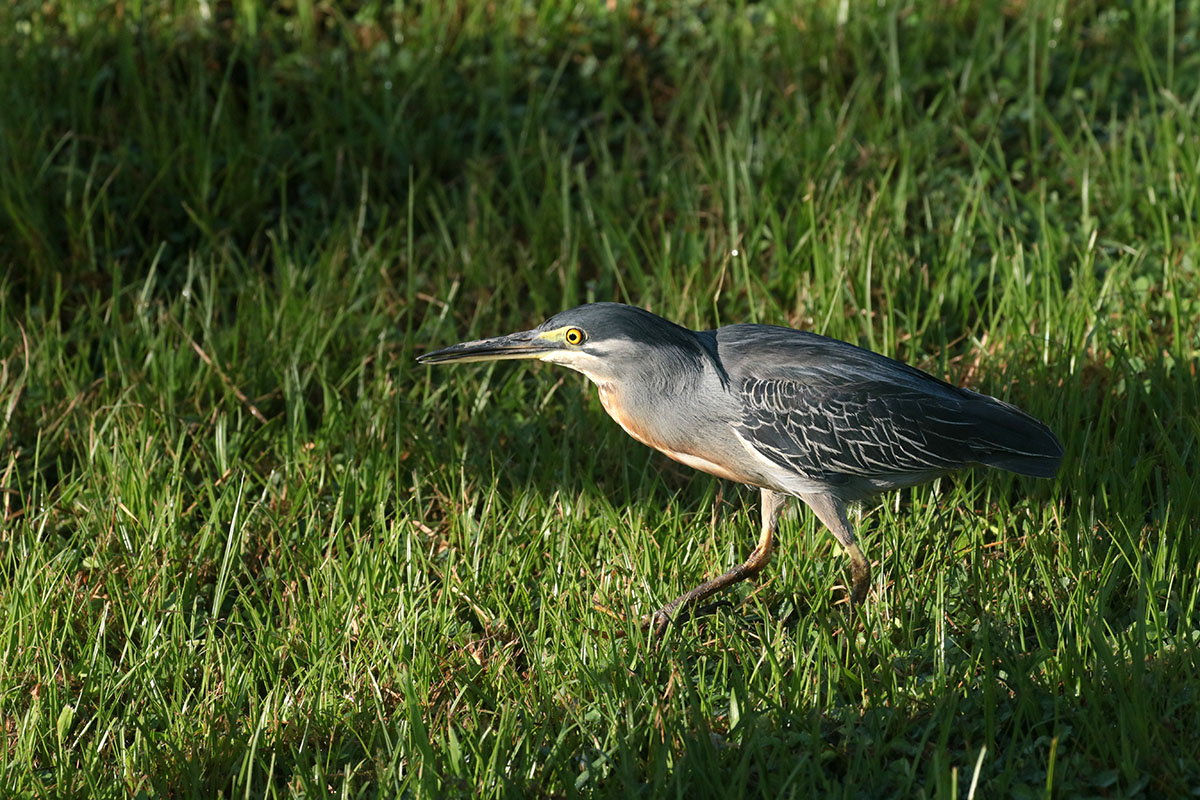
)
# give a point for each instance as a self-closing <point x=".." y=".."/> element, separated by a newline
<point x="250" y="548"/>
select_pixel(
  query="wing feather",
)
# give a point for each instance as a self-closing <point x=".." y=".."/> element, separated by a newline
<point x="840" y="414"/>
<point x="866" y="429"/>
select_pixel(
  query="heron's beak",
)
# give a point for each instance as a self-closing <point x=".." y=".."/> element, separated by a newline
<point x="525" y="344"/>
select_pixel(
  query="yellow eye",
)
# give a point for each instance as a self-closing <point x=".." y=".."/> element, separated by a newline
<point x="575" y="336"/>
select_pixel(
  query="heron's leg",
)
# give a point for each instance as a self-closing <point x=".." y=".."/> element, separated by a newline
<point x="772" y="507"/>
<point x="832" y="512"/>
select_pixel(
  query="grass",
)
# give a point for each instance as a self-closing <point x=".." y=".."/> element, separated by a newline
<point x="251" y="549"/>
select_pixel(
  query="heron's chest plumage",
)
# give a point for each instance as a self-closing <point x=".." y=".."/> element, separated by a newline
<point x="628" y="418"/>
<point x="651" y="422"/>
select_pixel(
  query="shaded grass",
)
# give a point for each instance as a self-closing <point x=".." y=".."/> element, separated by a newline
<point x="250" y="547"/>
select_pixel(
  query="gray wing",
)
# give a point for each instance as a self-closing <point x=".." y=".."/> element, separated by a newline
<point x="834" y="412"/>
<point x="865" y="429"/>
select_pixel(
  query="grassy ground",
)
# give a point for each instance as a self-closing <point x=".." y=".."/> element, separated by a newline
<point x="250" y="549"/>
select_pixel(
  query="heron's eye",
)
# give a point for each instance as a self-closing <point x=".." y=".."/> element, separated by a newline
<point x="575" y="336"/>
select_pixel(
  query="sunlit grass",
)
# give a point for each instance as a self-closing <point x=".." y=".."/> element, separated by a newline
<point x="251" y="548"/>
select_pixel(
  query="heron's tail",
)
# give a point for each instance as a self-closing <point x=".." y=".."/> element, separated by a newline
<point x="1008" y="438"/>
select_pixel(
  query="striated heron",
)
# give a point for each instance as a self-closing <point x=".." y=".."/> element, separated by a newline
<point x="791" y="412"/>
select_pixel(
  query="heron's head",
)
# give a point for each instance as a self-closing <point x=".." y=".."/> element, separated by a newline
<point x="604" y="341"/>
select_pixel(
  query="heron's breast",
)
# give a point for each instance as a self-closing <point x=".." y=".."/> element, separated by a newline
<point x="630" y="422"/>
<point x="644" y="430"/>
